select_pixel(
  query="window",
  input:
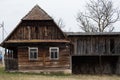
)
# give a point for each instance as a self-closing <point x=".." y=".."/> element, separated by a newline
<point x="54" y="53"/>
<point x="33" y="53"/>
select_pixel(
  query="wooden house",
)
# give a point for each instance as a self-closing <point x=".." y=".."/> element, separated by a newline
<point x="38" y="44"/>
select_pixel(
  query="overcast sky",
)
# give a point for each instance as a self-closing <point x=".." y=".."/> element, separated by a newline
<point x="12" y="11"/>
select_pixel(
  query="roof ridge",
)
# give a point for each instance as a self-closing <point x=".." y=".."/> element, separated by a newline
<point x="36" y="13"/>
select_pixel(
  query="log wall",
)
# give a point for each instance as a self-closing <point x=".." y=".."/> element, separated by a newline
<point x="43" y="61"/>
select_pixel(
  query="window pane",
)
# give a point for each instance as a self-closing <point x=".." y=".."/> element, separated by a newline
<point x="31" y="55"/>
<point x="52" y="55"/>
<point x="35" y="55"/>
<point x="55" y="55"/>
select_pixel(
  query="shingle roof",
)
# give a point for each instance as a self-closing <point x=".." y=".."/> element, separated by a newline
<point x="91" y="33"/>
<point x="37" y="14"/>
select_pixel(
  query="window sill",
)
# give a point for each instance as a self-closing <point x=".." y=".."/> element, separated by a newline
<point x="33" y="59"/>
<point x="54" y="59"/>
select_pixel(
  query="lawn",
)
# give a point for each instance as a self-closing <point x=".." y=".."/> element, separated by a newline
<point x="32" y="76"/>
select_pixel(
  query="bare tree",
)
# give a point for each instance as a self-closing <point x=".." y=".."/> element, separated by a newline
<point x="60" y="23"/>
<point x="99" y="17"/>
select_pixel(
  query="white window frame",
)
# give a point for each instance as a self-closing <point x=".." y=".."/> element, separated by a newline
<point x="36" y="52"/>
<point x="50" y="49"/>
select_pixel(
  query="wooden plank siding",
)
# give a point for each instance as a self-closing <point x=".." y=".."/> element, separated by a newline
<point x="97" y="45"/>
<point x="98" y="54"/>
<point x="43" y="61"/>
<point x="37" y="30"/>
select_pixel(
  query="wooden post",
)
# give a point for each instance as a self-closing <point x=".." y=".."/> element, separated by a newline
<point x="100" y="63"/>
<point x="71" y="63"/>
<point x="118" y="66"/>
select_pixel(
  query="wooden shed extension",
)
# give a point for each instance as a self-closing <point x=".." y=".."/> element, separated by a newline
<point x="95" y="53"/>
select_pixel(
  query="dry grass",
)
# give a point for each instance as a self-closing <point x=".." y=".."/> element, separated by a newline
<point x="33" y="76"/>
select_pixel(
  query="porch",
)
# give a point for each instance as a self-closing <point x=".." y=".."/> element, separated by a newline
<point x="11" y="64"/>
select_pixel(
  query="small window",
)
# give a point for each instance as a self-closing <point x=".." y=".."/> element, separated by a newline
<point x="33" y="53"/>
<point x="54" y="53"/>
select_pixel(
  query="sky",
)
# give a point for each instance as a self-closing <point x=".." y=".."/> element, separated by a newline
<point x="12" y="11"/>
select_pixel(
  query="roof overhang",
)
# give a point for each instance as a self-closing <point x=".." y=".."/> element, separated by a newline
<point x="37" y="41"/>
<point x="93" y="34"/>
